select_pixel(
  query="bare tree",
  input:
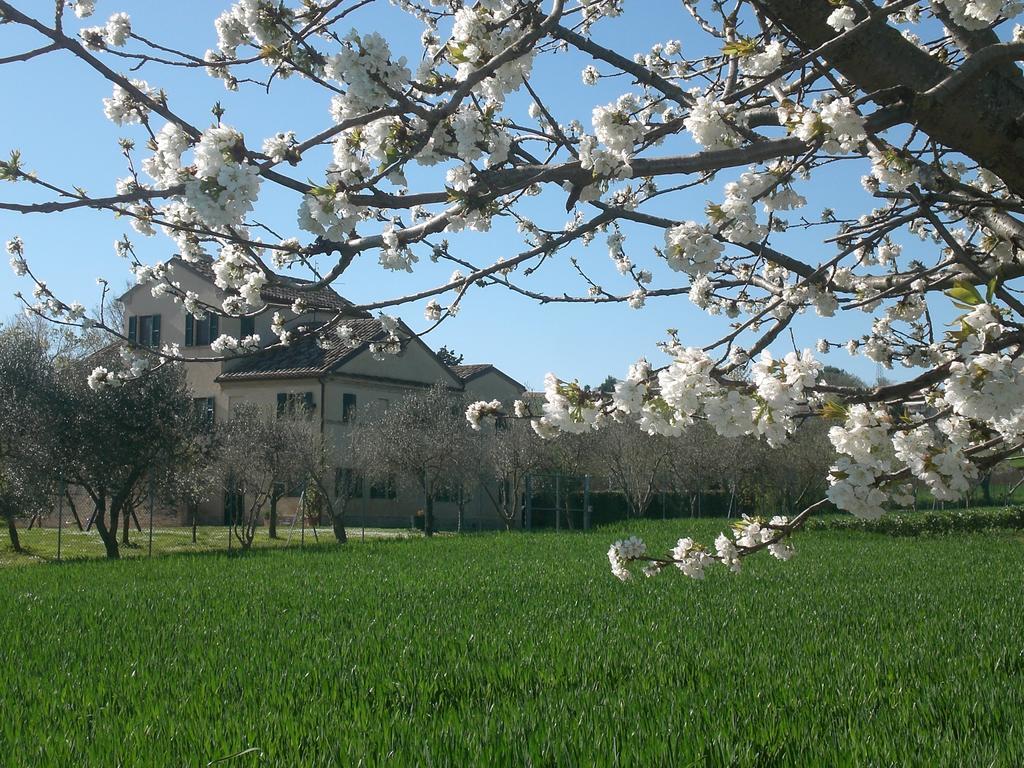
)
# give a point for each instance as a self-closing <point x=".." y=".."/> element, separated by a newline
<point x="421" y="439"/>
<point x="315" y="462"/>
<point x="261" y="459"/>
<point x="512" y="451"/>
<point x="634" y="462"/>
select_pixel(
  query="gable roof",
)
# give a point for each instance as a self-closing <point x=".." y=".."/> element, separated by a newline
<point x="283" y="291"/>
<point x="472" y="371"/>
<point x="309" y="356"/>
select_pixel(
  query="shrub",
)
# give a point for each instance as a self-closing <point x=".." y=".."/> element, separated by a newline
<point x="925" y="523"/>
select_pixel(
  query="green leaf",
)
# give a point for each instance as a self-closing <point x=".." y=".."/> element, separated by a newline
<point x="965" y="293"/>
<point x="990" y="288"/>
<point x="745" y="46"/>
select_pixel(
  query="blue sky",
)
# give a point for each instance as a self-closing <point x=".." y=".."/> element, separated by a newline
<point x="58" y="125"/>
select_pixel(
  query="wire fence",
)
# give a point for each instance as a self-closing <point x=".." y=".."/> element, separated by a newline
<point x="71" y="531"/>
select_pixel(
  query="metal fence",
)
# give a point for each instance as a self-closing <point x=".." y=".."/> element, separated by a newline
<point x="557" y="501"/>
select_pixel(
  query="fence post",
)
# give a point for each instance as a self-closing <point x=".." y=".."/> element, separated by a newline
<point x="151" y="501"/>
<point x="586" y="502"/>
<point x="302" y="514"/>
<point x="558" y="502"/>
<point x="529" y="502"/>
<point x="60" y="516"/>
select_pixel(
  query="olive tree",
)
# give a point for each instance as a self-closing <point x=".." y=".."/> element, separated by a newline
<point x="26" y="467"/>
<point x="111" y="441"/>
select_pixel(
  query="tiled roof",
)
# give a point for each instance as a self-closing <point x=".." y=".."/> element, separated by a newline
<point x="283" y="292"/>
<point x="307" y="356"/>
<point x="467" y="372"/>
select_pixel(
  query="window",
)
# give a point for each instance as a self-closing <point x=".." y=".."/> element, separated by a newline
<point x="348" y="483"/>
<point x="199" y="333"/>
<point x="248" y="327"/>
<point x="144" y="330"/>
<point x="204" y="410"/>
<point x="348" y="408"/>
<point x="295" y="404"/>
<point x="448" y="492"/>
<point x="383" y="489"/>
<point x="288" y="490"/>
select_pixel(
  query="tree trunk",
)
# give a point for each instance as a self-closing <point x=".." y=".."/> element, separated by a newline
<point x="272" y="524"/>
<point x="979" y="120"/>
<point x="12" y="531"/>
<point x="428" y="516"/>
<point x="73" y="508"/>
<point x="195" y="519"/>
<point x="338" y="524"/>
<point x="107" y="535"/>
<point x="125" y="527"/>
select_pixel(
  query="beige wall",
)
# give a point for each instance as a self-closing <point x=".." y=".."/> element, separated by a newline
<point x="415" y="363"/>
<point x="493" y="386"/>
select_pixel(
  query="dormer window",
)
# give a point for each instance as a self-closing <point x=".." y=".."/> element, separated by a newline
<point x="144" y="330"/>
<point x="199" y="333"/>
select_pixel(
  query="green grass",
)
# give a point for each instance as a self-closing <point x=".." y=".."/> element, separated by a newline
<point x="39" y="545"/>
<point x="513" y="649"/>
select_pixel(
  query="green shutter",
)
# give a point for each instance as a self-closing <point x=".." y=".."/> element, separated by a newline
<point x="214" y="326"/>
<point x="190" y="325"/>
<point x="155" y="335"/>
<point x="133" y="328"/>
<point x="282" y="403"/>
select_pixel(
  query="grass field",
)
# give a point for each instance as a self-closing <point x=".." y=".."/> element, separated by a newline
<point x="512" y="649"/>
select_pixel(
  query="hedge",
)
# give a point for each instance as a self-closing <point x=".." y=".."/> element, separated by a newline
<point x="924" y="523"/>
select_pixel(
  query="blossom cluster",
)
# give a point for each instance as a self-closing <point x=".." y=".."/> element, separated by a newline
<point x="749" y="534"/>
<point x="225" y="185"/>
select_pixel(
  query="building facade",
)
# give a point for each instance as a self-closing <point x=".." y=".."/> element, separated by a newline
<point x="336" y="379"/>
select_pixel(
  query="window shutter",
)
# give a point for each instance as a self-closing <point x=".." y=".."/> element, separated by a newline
<point x="155" y="340"/>
<point x="133" y="328"/>
<point x="214" y="326"/>
<point x="307" y="401"/>
<point x="282" y="403"/>
<point x="190" y="325"/>
<point x="248" y="326"/>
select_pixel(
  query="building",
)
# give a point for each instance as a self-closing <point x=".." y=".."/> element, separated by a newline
<point x="335" y="379"/>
